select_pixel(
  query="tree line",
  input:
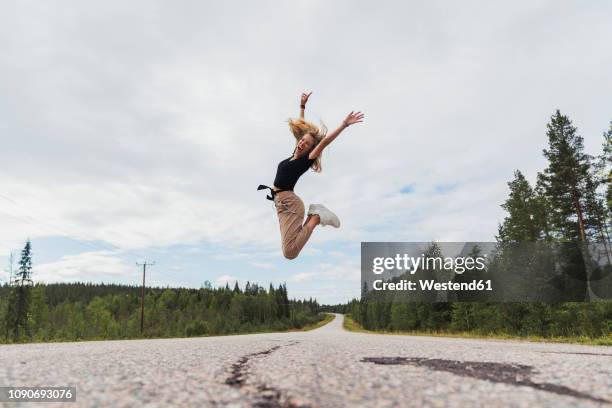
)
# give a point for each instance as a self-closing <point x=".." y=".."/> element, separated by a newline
<point x="87" y="311"/>
<point x="570" y="203"/>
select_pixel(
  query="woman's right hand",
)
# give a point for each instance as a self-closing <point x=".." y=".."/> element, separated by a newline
<point x="352" y="118"/>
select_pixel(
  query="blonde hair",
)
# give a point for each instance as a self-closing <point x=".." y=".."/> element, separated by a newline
<point x="301" y="127"/>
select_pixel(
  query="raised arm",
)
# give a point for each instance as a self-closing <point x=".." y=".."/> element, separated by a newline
<point x="352" y="118"/>
<point x="303" y="103"/>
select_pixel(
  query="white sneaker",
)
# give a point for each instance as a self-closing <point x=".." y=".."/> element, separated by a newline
<point x="327" y="217"/>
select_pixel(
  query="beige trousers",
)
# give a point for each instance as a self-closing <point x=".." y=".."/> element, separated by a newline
<point x="294" y="235"/>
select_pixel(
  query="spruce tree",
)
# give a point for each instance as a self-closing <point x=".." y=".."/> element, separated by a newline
<point x="18" y="312"/>
<point x="24" y="273"/>
<point x="526" y="217"/>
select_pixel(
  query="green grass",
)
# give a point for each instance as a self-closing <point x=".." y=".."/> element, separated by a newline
<point x="351" y="325"/>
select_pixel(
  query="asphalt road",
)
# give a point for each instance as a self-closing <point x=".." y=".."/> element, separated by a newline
<point x="327" y="367"/>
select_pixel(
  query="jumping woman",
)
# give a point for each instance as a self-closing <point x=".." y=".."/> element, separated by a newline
<point x="310" y="143"/>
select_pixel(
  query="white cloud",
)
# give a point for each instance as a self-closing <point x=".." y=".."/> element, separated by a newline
<point x="98" y="266"/>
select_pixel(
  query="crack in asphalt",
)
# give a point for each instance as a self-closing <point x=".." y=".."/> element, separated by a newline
<point x="512" y="374"/>
<point x="264" y="395"/>
<point x="239" y="369"/>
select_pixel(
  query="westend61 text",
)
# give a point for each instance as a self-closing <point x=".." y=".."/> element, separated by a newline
<point x="432" y="285"/>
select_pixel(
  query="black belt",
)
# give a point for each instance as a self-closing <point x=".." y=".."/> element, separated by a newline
<point x="272" y="191"/>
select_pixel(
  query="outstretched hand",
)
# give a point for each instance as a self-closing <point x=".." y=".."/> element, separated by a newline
<point x="353" y="117"/>
<point x="305" y="97"/>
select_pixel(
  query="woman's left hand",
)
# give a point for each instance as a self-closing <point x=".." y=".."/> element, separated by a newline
<point x="353" y="117"/>
<point x="304" y="99"/>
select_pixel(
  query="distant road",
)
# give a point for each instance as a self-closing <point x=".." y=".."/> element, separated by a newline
<point x="327" y="367"/>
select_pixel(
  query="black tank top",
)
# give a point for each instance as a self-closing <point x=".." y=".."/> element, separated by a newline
<point x="289" y="171"/>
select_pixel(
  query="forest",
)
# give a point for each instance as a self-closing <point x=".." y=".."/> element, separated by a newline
<point x="570" y="204"/>
<point x="87" y="311"/>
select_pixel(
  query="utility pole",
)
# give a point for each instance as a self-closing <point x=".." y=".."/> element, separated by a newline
<point x="144" y="271"/>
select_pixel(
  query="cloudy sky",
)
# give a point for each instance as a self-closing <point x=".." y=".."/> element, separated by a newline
<point x="140" y="130"/>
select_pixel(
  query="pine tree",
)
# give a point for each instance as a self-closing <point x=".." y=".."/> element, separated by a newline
<point x="564" y="180"/>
